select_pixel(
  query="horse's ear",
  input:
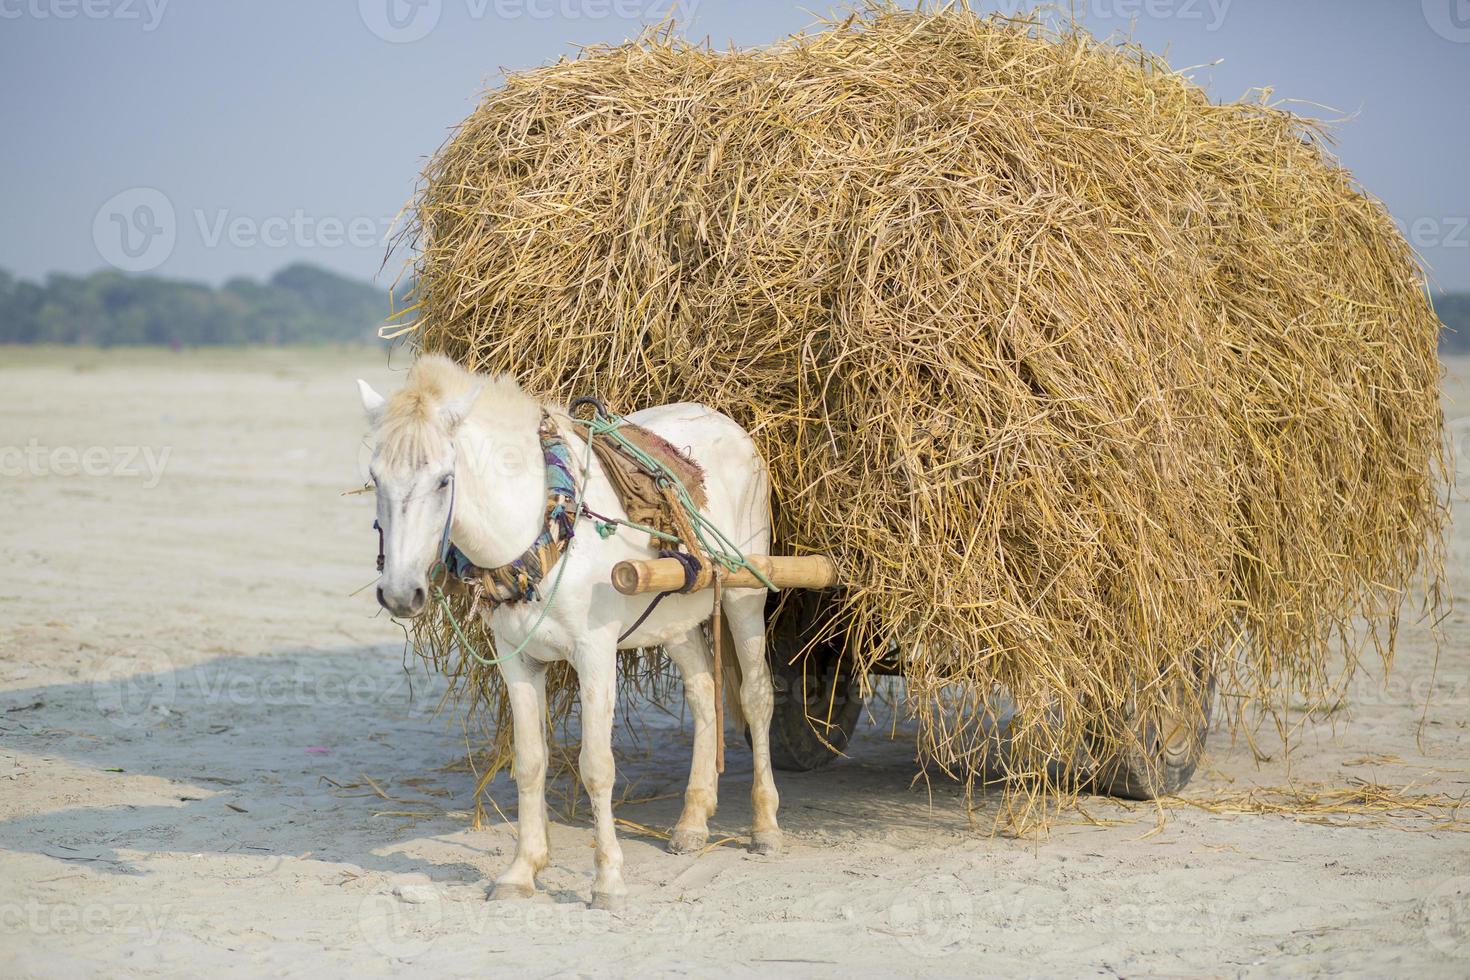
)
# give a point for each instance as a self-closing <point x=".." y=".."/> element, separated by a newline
<point x="457" y="409"/>
<point x="372" y="402"/>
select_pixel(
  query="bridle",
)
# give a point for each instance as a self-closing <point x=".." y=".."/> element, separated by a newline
<point x="448" y="522"/>
<point x="443" y="538"/>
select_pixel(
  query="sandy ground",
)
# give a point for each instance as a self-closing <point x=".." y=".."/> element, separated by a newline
<point x="192" y="704"/>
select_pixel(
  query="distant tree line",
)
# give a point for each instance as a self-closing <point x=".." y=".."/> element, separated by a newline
<point x="301" y="304"/>
<point x="1454" y="313"/>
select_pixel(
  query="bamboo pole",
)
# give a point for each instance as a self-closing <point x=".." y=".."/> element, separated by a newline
<point x="667" y="574"/>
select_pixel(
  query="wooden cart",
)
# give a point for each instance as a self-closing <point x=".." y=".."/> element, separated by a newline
<point x="819" y="697"/>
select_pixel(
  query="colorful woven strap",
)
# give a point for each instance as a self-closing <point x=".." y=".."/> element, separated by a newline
<point x="518" y="581"/>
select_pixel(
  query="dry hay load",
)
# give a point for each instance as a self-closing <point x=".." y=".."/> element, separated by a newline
<point x="1079" y="376"/>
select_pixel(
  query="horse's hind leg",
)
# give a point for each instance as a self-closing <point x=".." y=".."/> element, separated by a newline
<point x="745" y="614"/>
<point x="526" y="687"/>
<point x="691" y="655"/>
<point x="597" y="678"/>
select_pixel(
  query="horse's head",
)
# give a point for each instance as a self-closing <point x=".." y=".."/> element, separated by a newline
<point x="413" y="472"/>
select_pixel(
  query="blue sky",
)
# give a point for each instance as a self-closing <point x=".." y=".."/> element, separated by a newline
<point x="284" y="130"/>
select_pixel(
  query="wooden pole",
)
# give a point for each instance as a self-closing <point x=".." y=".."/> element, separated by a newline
<point x="667" y="574"/>
<point x="717" y="639"/>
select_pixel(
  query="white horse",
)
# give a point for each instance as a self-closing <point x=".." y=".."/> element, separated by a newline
<point x="460" y="455"/>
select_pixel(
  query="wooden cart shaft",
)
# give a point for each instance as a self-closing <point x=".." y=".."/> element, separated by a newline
<point x="667" y="574"/>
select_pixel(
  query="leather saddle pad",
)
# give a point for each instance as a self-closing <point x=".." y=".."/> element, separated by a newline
<point x="643" y="500"/>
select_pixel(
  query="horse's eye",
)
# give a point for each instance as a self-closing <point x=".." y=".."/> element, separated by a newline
<point x="444" y="481"/>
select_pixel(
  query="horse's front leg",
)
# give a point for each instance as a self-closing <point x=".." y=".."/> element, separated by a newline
<point x="597" y="667"/>
<point x="525" y="683"/>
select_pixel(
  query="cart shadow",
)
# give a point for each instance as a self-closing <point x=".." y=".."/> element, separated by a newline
<point x="338" y="755"/>
<point x="874" y="791"/>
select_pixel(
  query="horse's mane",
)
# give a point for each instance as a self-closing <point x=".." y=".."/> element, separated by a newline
<point x="411" y="431"/>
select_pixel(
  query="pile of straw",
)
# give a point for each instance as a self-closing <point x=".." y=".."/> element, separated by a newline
<point x="1075" y="373"/>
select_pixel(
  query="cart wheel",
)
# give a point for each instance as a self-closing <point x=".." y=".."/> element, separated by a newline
<point x="818" y="703"/>
<point x="1167" y="744"/>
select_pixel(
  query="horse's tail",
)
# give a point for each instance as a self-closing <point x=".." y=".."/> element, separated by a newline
<point x="733" y="678"/>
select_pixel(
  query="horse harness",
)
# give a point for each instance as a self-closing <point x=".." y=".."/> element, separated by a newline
<point x="650" y="502"/>
<point x="646" y="500"/>
<point x="519" y="580"/>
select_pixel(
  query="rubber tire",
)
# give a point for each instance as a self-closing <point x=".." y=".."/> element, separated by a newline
<point x="812" y="683"/>
<point x="796" y="745"/>
<point x="1146" y="769"/>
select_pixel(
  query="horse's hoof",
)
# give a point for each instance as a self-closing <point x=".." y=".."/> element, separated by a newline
<point x="687" y="841"/>
<point x="512" y="891"/>
<point x="609" y="902"/>
<point x="766" y="842"/>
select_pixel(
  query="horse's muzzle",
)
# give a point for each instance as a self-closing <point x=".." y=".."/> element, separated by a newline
<point x="403" y="602"/>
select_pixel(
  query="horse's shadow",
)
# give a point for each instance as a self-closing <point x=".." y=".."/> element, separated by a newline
<point x="340" y="755"/>
<point x="300" y="752"/>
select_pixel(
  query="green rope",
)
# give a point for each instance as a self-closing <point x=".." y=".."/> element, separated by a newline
<point x="712" y="540"/>
<point x="609" y="528"/>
